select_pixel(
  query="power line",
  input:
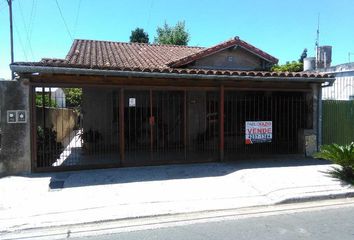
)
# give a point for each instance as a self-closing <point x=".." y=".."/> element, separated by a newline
<point x="62" y="17"/>
<point x="32" y="17"/>
<point x="26" y="30"/>
<point x="77" y="17"/>
<point x="21" y="43"/>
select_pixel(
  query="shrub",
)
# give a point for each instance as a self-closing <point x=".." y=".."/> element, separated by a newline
<point x="341" y="155"/>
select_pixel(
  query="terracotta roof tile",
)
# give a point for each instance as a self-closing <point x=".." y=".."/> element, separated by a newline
<point x="95" y="54"/>
<point x="139" y="57"/>
<point x="211" y="50"/>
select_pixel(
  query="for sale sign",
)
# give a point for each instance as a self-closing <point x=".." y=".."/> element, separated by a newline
<point x="258" y="132"/>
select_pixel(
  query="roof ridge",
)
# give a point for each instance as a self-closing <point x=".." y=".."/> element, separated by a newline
<point x="136" y="43"/>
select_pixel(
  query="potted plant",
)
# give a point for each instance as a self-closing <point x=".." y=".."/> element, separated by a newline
<point x="90" y="140"/>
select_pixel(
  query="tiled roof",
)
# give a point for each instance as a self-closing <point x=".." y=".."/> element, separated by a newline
<point x="230" y="43"/>
<point x="95" y="54"/>
<point x="139" y="57"/>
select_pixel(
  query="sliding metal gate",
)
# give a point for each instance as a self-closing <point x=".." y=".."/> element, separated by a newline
<point x="287" y="111"/>
<point x="170" y="126"/>
<point x="97" y="127"/>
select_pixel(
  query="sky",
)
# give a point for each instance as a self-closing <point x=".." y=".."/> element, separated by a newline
<point x="282" y="28"/>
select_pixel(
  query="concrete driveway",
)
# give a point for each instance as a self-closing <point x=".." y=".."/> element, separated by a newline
<point x="43" y="200"/>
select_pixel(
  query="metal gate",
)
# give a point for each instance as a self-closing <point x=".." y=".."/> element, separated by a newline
<point x="286" y="110"/>
<point x="154" y="126"/>
<point x="98" y="127"/>
<point x="75" y="127"/>
<point x="170" y="126"/>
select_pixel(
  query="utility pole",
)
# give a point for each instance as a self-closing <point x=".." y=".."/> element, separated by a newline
<point x="11" y="37"/>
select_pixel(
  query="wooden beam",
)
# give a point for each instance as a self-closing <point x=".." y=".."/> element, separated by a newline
<point x="79" y="81"/>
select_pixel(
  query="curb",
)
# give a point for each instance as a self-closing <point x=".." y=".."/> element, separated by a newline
<point x="317" y="198"/>
<point x="65" y="231"/>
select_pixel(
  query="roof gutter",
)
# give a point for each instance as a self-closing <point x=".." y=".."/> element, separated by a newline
<point x="119" y="73"/>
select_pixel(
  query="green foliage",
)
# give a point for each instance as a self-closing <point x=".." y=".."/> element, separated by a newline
<point x="293" y="66"/>
<point x="342" y="155"/>
<point x="176" y="35"/>
<point x="73" y="97"/>
<point x="139" y="36"/>
<point x="303" y="55"/>
<point x="339" y="154"/>
<point x="47" y="102"/>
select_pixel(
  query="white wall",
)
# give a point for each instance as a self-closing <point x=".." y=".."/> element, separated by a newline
<point x="342" y="89"/>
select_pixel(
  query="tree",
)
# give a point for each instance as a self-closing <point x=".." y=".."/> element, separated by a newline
<point x="293" y="66"/>
<point x="47" y="101"/>
<point x="139" y="36"/>
<point x="73" y="97"/>
<point x="303" y="55"/>
<point x="176" y="35"/>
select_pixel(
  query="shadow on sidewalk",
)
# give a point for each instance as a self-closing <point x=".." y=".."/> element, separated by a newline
<point x="169" y="172"/>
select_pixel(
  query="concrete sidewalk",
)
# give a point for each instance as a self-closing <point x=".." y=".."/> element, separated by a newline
<point x="50" y="200"/>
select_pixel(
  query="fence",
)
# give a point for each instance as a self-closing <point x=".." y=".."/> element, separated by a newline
<point x="338" y="122"/>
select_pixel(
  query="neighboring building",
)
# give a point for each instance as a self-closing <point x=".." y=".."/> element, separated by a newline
<point x="148" y="104"/>
<point x="343" y="87"/>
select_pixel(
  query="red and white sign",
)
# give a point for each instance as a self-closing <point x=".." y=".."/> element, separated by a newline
<point x="258" y="132"/>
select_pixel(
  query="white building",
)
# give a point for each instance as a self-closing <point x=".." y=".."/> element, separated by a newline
<point x="343" y="87"/>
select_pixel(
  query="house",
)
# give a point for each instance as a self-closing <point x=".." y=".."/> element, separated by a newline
<point x="146" y="104"/>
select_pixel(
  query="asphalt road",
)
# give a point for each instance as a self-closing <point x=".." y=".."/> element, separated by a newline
<point x="337" y="223"/>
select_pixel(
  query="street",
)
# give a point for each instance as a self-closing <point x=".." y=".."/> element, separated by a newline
<point x="319" y="223"/>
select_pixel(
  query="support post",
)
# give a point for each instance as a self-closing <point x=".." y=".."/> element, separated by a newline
<point x="222" y="122"/>
<point x="185" y="124"/>
<point x="33" y="127"/>
<point x="152" y="122"/>
<point x="121" y="126"/>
